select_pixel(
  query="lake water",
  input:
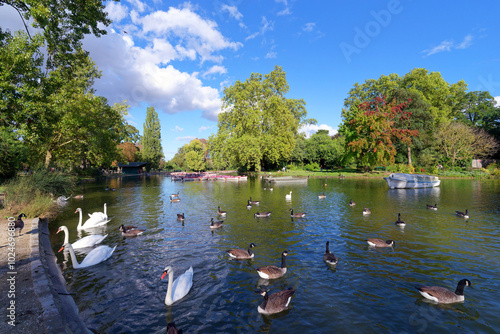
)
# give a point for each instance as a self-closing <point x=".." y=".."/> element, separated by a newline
<point x="369" y="291"/>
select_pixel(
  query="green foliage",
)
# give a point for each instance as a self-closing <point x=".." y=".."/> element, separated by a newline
<point x="87" y="172"/>
<point x="195" y="155"/>
<point x="258" y="123"/>
<point x="311" y="167"/>
<point x="152" y="152"/>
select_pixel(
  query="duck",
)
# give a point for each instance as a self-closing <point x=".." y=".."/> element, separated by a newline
<point x="89" y="223"/>
<point x="178" y="288"/>
<point x="351" y="203"/>
<point x="322" y="196"/>
<point x="432" y="207"/>
<point x="88" y="241"/>
<point x="175" y="195"/>
<point x="273" y="272"/>
<point x="297" y="214"/>
<point x="399" y="222"/>
<point x="78" y="197"/>
<point x="271" y="189"/>
<point x="254" y="202"/>
<point x="463" y="214"/>
<point x="19" y="223"/>
<point x="366" y="211"/>
<point x="242" y="254"/>
<point x="221" y="213"/>
<point x="95" y="256"/>
<point x="99" y="215"/>
<point x="442" y="295"/>
<point x="171" y="329"/>
<point x="262" y="214"/>
<point x="249" y="205"/>
<point x="130" y="232"/>
<point x="288" y="196"/>
<point x="380" y="243"/>
<point x="328" y="257"/>
<point x="216" y="224"/>
<point x="341" y="176"/>
<point x="275" y="303"/>
<point x="175" y="199"/>
<point x="180" y="216"/>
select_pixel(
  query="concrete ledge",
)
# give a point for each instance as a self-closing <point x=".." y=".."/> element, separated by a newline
<point x="59" y="309"/>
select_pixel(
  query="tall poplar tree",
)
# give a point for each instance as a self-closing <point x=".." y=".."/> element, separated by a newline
<point x="152" y="152"/>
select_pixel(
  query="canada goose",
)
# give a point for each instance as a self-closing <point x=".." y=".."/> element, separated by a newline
<point x="351" y="203"/>
<point x="380" y="243"/>
<point x="180" y="287"/>
<point x="221" y="213"/>
<point x="130" y="232"/>
<point x="341" y="176"/>
<point x="254" y="202"/>
<point x="18" y="223"/>
<point x="272" y="272"/>
<point x="399" y="222"/>
<point x="239" y="253"/>
<point x="443" y="295"/>
<point x="262" y="214"/>
<point x="321" y="196"/>
<point x="463" y="214"/>
<point x="171" y="329"/>
<point x="175" y="199"/>
<point x="216" y="224"/>
<point x="432" y="207"/>
<point x="249" y="205"/>
<point x="297" y="215"/>
<point x="129" y="227"/>
<point x="180" y="216"/>
<point x="366" y="211"/>
<point x="328" y="257"/>
<point x="175" y="195"/>
<point x="288" y="196"/>
<point x="275" y="303"/>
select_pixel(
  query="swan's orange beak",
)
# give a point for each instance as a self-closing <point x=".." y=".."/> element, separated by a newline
<point x="76" y="211"/>
<point x="164" y="274"/>
<point x="61" y="248"/>
<point x="59" y="230"/>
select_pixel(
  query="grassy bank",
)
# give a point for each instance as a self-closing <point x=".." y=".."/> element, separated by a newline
<point x="34" y="194"/>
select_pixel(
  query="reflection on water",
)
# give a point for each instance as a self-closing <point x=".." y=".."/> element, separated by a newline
<point x="369" y="290"/>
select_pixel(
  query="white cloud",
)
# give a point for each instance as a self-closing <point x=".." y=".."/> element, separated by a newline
<point x="198" y="34"/>
<point x="310" y="129"/>
<point x="271" y="55"/>
<point x="116" y="11"/>
<point x="138" y="5"/>
<point x="177" y="129"/>
<point x="285" y="11"/>
<point x="203" y="128"/>
<point x="186" y="139"/>
<point x="497" y="100"/>
<point x="265" y="26"/>
<point x="465" y="43"/>
<point x="216" y="69"/>
<point x="233" y="11"/>
<point x="309" y="26"/>
<point x="448" y="45"/>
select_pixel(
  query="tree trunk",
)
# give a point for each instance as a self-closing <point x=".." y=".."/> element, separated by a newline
<point x="48" y="157"/>
<point x="409" y="155"/>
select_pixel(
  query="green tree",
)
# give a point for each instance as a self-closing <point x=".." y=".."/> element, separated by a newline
<point x="152" y="151"/>
<point x="299" y="153"/>
<point x="259" y="123"/>
<point x="195" y="155"/>
<point x="320" y="148"/>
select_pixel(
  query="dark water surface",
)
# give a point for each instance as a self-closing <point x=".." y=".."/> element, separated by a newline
<point x="369" y="291"/>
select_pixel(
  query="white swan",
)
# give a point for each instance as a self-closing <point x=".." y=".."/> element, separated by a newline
<point x="288" y="196"/>
<point x="100" y="215"/>
<point x="89" y="223"/>
<point x="88" y="241"/>
<point x="180" y="287"/>
<point x="97" y="255"/>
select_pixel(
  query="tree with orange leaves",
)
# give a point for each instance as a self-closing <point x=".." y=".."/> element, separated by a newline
<point x="373" y="132"/>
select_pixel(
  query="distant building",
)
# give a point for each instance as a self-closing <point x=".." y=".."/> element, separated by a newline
<point x="132" y="168"/>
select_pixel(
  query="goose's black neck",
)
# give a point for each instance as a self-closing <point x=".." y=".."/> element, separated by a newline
<point x="460" y="289"/>
<point x="250" y="250"/>
<point x="283" y="261"/>
<point x="327" y="247"/>
<point x="264" y="302"/>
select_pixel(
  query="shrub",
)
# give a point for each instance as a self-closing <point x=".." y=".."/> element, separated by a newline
<point x="311" y="167"/>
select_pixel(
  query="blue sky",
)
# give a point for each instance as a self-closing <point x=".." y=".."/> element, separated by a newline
<point x="178" y="56"/>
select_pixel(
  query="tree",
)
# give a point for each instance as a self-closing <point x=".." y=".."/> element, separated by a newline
<point x="371" y="135"/>
<point x="152" y="151"/>
<point x="320" y="148"/>
<point x="195" y="155"/>
<point x="259" y="123"/>
<point x="128" y="151"/>
<point x="476" y="107"/>
<point x="460" y="143"/>
<point x="299" y="152"/>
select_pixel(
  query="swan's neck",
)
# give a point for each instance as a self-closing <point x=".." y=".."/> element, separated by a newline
<point x="105" y="207"/>
<point x="76" y="265"/>
<point x="80" y="221"/>
<point x="168" y="297"/>
<point x="283" y="261"/>
<point x="66" y="236"/>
